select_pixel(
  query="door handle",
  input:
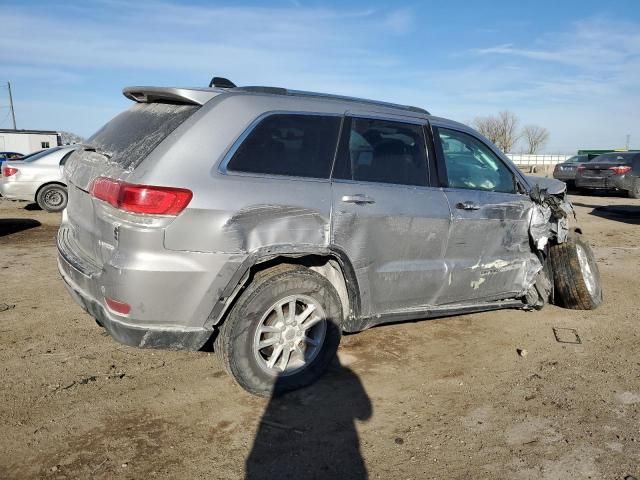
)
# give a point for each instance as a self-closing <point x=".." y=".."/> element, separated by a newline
<point x="357" y="198"/>
<point x="467" y="205"/>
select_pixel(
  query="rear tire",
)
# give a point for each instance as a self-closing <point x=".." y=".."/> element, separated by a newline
<point x="262" y="316"/>
<point x="576" y="275"/>
<point x="635" y="189"/>
<point x="52" y="198"/>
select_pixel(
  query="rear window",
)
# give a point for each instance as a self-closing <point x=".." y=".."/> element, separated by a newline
<point x="289" y="144"/>
<point x="614" y="158"/>
<point x="132" y="135"/>
<point x="38" y="155"/>
<point x="577" y="159"/>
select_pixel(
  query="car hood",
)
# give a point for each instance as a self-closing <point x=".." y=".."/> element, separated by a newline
<point x="551" y="185"/>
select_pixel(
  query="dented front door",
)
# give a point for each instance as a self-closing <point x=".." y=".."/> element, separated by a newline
<point x="488" y="251"/>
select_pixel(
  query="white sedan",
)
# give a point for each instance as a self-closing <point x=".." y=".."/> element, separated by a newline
<point x="38" y="177"/>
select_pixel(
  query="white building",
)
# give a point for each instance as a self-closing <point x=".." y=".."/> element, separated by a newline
<point x="27" y="141"/>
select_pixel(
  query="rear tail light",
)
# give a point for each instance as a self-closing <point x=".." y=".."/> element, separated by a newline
<point x="118" y="306"/>
<point x="146" y="199"/>
<point x="581" y="167"/>
<point x="8" y="171"/>
<point x="621" y="169"/>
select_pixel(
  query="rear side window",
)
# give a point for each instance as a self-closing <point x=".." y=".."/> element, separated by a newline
<point x="129" y="137"/>
<point x="289" y="144"/>
<point x="383" y="151"/>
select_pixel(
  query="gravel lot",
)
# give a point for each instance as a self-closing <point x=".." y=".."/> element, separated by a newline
<point x="448" y="398"/>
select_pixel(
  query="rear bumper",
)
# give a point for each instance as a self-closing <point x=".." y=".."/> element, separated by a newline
<point x="171" y="294"/>
<point x="16" y="190"/>
<point x="607" y="183"/>
<point x="565" y="176"/>
<point x="124" y="332"/>
<point x="623" y="182"/>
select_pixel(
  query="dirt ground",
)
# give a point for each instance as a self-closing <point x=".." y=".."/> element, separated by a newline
<point x="448" y="398"/>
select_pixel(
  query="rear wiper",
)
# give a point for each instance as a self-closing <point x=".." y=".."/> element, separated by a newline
<point x="98" y="151"/>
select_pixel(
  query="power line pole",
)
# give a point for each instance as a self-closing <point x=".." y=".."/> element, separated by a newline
<point x="628" y="138"/>
<point x="13" y="113"/>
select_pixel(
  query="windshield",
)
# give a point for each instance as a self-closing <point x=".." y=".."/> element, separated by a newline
<point x="614" y="158"/>
<point x="38" y="155"/>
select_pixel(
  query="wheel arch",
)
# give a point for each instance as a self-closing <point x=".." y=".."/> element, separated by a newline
<point x="46" y="184"/>
<point x="330" y="262"/>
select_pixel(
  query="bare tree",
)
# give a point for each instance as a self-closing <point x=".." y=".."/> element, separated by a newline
<point x="69" y="138"/>
<point x="487" y="126"/>
<point x="501" y="129"/>
<point x="536" y="137"/>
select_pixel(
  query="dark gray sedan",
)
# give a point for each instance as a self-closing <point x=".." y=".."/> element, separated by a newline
<point x="630" y="182"/>
<point x="605" y="172"/>
<point x="566" y="171"/>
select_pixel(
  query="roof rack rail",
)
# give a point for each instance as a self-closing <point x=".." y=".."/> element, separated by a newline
<point x="301" y="93"/>
<point x="221" y="82"/>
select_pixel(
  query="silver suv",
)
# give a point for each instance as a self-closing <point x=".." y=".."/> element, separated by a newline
<point x="270" y="221"/>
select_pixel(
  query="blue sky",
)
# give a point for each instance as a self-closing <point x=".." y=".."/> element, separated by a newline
<point x="570" y="66"/>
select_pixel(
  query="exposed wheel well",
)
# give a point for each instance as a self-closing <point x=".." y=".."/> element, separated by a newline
<point x="331" y="266"/>
<point x="326" y="265"/>
<point x="35" y="198"/>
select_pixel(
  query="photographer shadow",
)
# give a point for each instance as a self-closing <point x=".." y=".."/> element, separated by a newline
<point x="311" y="433"/>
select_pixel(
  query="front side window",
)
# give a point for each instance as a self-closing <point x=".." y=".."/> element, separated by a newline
<point x="289" y="144"/>
<point x="471" y="164"/>
<point x="383" y="151"/>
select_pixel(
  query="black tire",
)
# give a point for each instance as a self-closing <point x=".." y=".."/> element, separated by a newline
<point x="635" y="189"/>
<point x="52" y="198"/>
<point x="571" y="288"/>
<point x="234" y="344"/>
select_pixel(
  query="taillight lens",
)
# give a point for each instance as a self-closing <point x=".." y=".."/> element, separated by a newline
<point x="581" y="167"/>
<point x="147" y="199"/>
<point x="8" y="171"/>
<point x="621" y="169"/>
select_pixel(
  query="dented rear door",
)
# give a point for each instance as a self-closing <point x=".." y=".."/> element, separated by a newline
<point x="387" y="218"/>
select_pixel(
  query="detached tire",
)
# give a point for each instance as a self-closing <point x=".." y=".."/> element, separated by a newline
<point x="576" y="275"/>
<point x="283" y="331"/>
<point x="52" y="198"/>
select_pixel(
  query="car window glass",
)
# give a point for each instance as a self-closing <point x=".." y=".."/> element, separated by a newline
<point x="288" y="144"/>
<point x="613" y="158"/>
<point x="471" y="164"/>
<point x="383" y="151"/>
<point x="66" y="157"/>
<point x="40" y="154"/>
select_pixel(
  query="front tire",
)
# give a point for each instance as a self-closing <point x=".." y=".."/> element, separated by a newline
<point x="576" y="275"/>
<point x="283" y="331"/>
<point x="52" y="198"/>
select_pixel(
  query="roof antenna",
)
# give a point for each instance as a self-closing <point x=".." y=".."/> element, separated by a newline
<point x="221" y="82"/>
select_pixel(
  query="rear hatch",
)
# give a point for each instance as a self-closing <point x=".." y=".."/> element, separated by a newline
<point x="115" y="151"/>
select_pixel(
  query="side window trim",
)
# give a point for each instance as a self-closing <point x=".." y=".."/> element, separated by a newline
<point x="230" y="152"/>
<point x="442" y="167"/>
<point x="344" y="138"/>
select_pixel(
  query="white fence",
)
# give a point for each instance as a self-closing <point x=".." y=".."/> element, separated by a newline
<point x="529" y="160"/>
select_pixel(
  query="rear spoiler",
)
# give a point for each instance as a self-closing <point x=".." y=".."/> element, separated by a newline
<point x="189" y="96"/>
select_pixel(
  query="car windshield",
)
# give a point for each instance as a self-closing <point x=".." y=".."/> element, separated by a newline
<point x="38" y="155"/>
<point x="577" y="159"/>
<point x="614" y="158"/>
